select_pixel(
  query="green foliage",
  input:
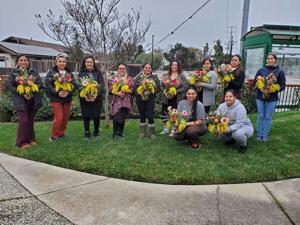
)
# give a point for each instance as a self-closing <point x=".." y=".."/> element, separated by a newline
<point x="219" y="54"/>
<point x="166" y="160"/>
<point x="186" y="56"/>
<point x="147" y="58"/>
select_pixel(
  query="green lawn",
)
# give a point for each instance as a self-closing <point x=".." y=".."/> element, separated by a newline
<point x="167" y="161"/>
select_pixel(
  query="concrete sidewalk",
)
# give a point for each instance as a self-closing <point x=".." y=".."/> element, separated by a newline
<point x="32" y="191"/>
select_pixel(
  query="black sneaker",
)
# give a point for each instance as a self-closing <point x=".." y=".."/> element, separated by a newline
<point x="243" y="149"/>
<point x="230" y="142"/>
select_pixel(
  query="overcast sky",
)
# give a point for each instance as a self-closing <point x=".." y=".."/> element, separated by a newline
<point x="17" y="18"/>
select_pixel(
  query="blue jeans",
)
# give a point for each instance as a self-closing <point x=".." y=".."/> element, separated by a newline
<point x="265" y="110"/>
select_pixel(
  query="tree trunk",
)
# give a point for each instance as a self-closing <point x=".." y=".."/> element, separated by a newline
<point x="106" y="103"/>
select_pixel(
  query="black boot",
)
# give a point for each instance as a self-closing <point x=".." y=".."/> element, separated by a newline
<point x="87" y="135"/>
<point x="121" y="130"/>
<point x="115" y="129"/>
<point x="243" y="149"/>
<point x="96" y="133"/>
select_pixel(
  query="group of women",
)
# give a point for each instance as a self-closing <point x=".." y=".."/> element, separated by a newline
<point x="193" y="102"/>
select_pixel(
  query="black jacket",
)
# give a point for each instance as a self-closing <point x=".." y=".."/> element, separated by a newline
<point x="237" y="83"/>
<point x="21" y="103"/>
<point x="50" y="88"/>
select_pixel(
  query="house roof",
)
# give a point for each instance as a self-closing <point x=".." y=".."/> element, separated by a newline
<point x="25" y="41"/>
<point x="27" y="49"/>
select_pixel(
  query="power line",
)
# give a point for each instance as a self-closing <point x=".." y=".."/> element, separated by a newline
<point x="174" y="30"/>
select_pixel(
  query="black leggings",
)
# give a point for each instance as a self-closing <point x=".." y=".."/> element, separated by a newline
<point x="86" y="123"/>
<point x="146" y="109"/>
<point x="120" y="117"/>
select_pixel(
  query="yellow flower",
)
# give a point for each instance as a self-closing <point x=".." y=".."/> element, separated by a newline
<point x="172" y="91"/>
<point x="125" y="88"/>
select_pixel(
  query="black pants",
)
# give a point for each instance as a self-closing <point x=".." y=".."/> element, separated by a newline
<point x="146" y="109"/>
<point x="191" y="133"/>
<point x="120" y="117"/>
<point x="170" y="102"/>
<point x="86" y="123"/>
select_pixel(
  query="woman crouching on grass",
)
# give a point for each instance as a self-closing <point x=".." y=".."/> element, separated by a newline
<point x="194" y="113"/>
<point x="25" y="84"/>
<point x="240" y="127"/>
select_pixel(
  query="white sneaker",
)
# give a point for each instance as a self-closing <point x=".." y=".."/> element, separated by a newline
<point x="165" y="131"/>
<point x="172" y="133"/>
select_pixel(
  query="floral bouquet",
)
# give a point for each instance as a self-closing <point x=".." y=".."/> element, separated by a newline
<point x="199" y="76"/>
<point x="170" y="88"/>
<point x="25" y="83"/>
<point x="62" y="82"/>
<point x="217" y="123"/>
<point x="146" y="88"/>
<point x="89" y="87"/>
<point x="225" y="74"/>
<point x="176" y="121"/>
<point x="267" y="85"/>
<point x="119" y="85"/>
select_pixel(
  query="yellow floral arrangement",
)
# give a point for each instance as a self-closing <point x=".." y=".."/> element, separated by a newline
<point x="217" y="124"/>
<point x="170" y="88"/>
<point x="146" y="88"/>
<point x="199" y="76"/>
<point x="62" y="82"/>
<point x="89" y="87"/>
<point x="225" y="74"/>
<point x="119" y="85"/>
<point x="267" y="85"/>
<point x="25" y="83"/>
<point x="176" y="121"/>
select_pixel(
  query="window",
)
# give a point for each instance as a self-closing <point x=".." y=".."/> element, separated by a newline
<point x="2" y="62"/>
<point x="254" y="61"/>
<point x="289" y="61"/>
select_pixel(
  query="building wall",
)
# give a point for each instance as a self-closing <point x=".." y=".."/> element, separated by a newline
<point x="9" y="60"/>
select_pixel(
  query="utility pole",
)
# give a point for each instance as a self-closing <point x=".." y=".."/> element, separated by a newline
<point x="231" y="39"/>
<point x="245" y="19"/>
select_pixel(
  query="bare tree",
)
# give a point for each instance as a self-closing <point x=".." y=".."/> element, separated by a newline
<point x="101" y="29"/>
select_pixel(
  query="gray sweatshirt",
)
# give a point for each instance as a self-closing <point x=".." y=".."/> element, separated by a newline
<point x="185" y="106"/>
<point x="237" y="115"/>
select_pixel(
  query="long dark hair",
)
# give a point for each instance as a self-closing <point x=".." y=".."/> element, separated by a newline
<point x="22" y="55"/>
<point x="195" y="102"/>
<point x="83" y="66"/>
<point x="240" y="67"/>
<point x="179" y="69"/>
<point x="210" y="61"/>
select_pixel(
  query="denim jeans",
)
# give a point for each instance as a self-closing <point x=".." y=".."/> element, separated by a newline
<point x="265" y="110"/>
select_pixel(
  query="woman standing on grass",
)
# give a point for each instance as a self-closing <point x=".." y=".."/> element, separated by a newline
<point x="240" y="127"/>
<point x="173" y="80"/>
<point x="91" y="105"/>
<point x="267" y="97"/>
<point x="60" y="85"/>
<point x="146" y="85"/>
<point x="25" y="84"/>
<point x="121" y="87"/>
<point x="207" y="92"/>
<point x="194" y="113"/>
<point x="238" y="77"/>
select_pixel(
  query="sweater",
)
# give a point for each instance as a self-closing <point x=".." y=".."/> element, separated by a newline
<point x="236" y="114"/>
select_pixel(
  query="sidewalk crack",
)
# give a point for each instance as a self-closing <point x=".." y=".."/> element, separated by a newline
<point x="71" y="187"/>
<point x="277" y="202"/>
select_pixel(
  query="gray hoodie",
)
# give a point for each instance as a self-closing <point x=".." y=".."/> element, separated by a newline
<point x="237" y="115"/>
